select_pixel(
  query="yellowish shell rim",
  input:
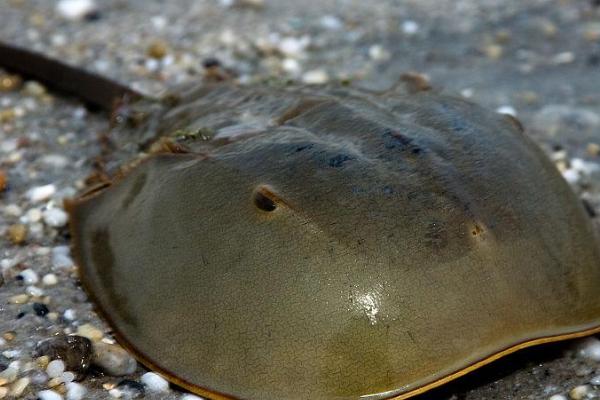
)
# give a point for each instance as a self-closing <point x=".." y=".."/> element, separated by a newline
<point x="71" y="205"/>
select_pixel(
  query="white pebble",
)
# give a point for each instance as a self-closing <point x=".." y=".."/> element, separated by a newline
<point x="191" y="397"/>
<point x="34" y="291"/>
<point x="467" y="93"/>
<point x="507" y="110"/>
<point x="293" y="47"/>
<point x="36" y="230"/>
<point x="315" y="77"/>
<point x="41" y="193"/>
<point x="378" y="53"/>
<point x="55" y="368"/>
<point x="13" y="210"/>
<point x="61" y="257"/>
<point x="159" y="22"/>
<point x="116" y="393"/>
<point x="331" y="22"/>
<point x="49" y="395"/>
<point x="291" y="66"/>
<point x="55" y="217"/>
<point x="75" y="391"/>
<point x="410" y="27"/>
<point x="590" y="348"/>
<point x="10" y="374"/>
<point x="557" y="397"/>
<point x="70" y="314"/>
<point x="29" y="276"/>
<point x="11" y="353"/>
<point x="152" y="64"/>
<point x="68" y="376"/>
<point x="154" y="382"/>
<point x="75" y="9"/>
<point x="595" y="380"/>
<point x="585" y="167"/>
<point x="49" y="280"/>
<point x="565" y="57"/>
<point x="571" y="176"/>
<point x="33" y="215"/>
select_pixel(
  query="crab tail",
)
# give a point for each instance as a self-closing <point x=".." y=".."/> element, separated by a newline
<point x="95" y="90"/>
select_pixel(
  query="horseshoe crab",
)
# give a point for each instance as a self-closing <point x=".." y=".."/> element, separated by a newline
<point x="293" y="243"/>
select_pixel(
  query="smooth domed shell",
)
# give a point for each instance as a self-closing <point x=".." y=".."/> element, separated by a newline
<point x="337" y="246"/>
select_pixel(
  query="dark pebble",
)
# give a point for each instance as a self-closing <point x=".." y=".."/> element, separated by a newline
<point x="93" y="16"/>
<point x="4" y="361"/>
<point x="211" y="63"/>
<point x="75" y="351"/>
<point x="40" y="309"/>
<point x="134" y="389"/>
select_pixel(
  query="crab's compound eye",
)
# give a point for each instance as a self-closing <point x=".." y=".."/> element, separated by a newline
<point x="263" y="200"/>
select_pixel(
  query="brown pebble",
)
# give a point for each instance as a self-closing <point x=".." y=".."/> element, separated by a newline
<point x="8" y="83"/>
<point x="7" y="115"/>
<point x="493" y="51"/>
<point x="17" y="233"/>
<point x="3" y="180"/>
<point x="529" y="97"/>
<point x="503" y="36"/>
<point x="548" y="28"/>
<point x="42" y="361"/>
<point x="415" y="82"/>
<point x="9" y="335"/>
<point x="157" y="49"/>
<point x="593" y="149"/>
<point x="591" y="32"/>
<point x="60" y="389"/>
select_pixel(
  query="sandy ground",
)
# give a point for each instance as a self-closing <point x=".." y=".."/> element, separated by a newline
<point x="538" y="59"/>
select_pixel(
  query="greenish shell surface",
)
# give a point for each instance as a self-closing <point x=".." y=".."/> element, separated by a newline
<point x="335" y="244"/>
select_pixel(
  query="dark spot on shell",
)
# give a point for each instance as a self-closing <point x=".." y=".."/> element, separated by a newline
<point x="394" y="139"/>
<point x="388" y="190"/>
<point x="263" y="202"/>
<point x="136" y="188"/>
<point x="339" y="160"/>
<point x="477" y="230"/>
<point x="104" y="259"/>
<point x="40" y="309"/>
<point x="456" y="120"/>
<point x="304" y="147"/>
<point x="436" y="236"/>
